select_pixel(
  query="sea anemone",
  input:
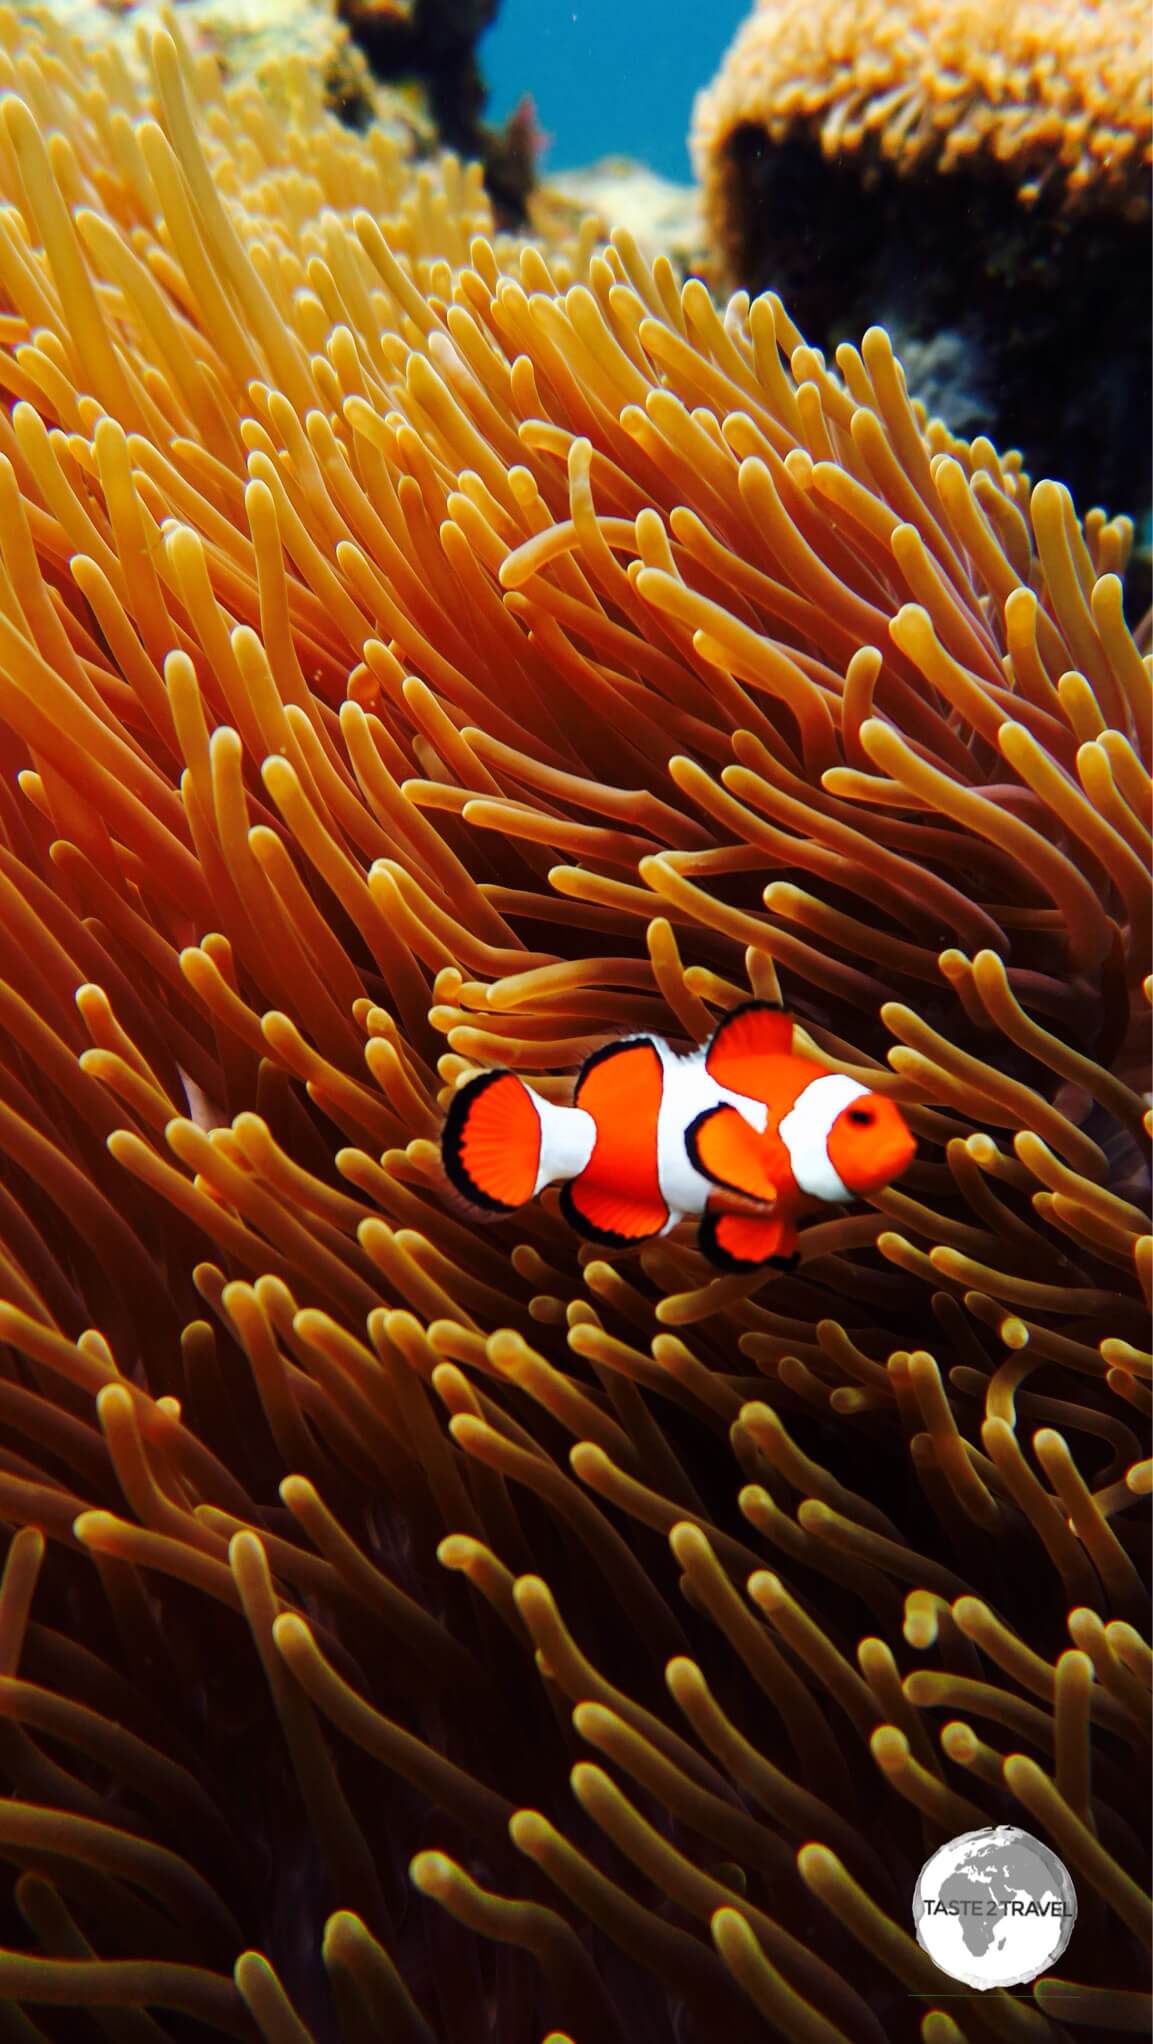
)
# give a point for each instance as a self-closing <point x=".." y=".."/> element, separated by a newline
<point x="418" y="654"/>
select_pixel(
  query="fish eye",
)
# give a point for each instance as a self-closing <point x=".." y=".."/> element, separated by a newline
<point x="861" y="1117"/>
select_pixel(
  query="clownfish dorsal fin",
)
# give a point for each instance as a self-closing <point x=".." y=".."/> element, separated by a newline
<point x="724" y="1148"/>
<point x="740" y="1043"/>
<point x="746" y="1241"/>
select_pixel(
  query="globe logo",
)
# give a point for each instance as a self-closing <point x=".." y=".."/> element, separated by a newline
<point x="994" y="1908"/>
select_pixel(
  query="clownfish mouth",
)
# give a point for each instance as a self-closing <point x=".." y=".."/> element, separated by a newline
<point x="891" y="1157"/>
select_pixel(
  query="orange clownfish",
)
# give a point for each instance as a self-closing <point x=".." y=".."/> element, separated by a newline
<point x="741" y="1134"/>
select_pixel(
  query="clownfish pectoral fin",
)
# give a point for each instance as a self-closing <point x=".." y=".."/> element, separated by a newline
<point x="738" y="1046"/>
<point x="724" y="1148"/>
<point x="746" y="1241"/>
<point x="613" y="1218"/>
<point x="492" y="1140"/>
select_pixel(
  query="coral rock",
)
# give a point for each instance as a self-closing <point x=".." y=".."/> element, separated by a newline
<point x="979" y="171"/>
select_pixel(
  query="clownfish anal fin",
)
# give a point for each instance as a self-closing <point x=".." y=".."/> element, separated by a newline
<point x="746" y="1241"/>
<point x="742" y="1040"/>
<point x="724" y="1148"/>
<point x="613" y="1218"/>
<point x="490" y="1146"/>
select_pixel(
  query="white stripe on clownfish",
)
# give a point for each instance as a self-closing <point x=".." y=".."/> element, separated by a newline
<point x="568" y="1134"/>
<point x="805" y="1131"/>
<point x="689" y="1090"/>
<point x="567" y="1138"/>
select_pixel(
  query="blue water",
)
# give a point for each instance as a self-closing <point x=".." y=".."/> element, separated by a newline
<point x="607" y="76"/>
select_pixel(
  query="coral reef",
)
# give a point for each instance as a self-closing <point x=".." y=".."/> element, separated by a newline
<point x="433" y="43"/>
<point x="976" y="170"/>
<point x="420" y="651"/>
<point x="257" y="41"/>
<point x="409" y="66"/>
<point x="661" y="216"/>
<point x="1054" y="98"/>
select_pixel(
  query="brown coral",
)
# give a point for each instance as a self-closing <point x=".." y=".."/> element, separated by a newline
<point x="1054" y="98"/>
<point x="359" y="578"/>
<point x="977" y="177"/>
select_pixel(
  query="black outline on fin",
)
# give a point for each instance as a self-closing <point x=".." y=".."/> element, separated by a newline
<point x="736" y="1014"/>
<point x="607" y="1237"/>
<point x="589" y="1230"/>
<point x="611" y="1050"/>
<point x="452" y="1137"/>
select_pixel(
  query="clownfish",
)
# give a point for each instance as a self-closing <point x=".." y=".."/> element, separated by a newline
<point x="740" y="1134"/>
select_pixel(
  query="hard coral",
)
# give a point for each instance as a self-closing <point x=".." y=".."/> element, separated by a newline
<point x="1053" y="96"/>
<point x="978" y="172"/>
<point x="434" y="42"/>
<point x="415" y="654"/>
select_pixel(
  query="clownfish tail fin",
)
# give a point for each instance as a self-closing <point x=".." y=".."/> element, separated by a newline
<point x="502" y="1143"/>
<point x="490" y="1147"/>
